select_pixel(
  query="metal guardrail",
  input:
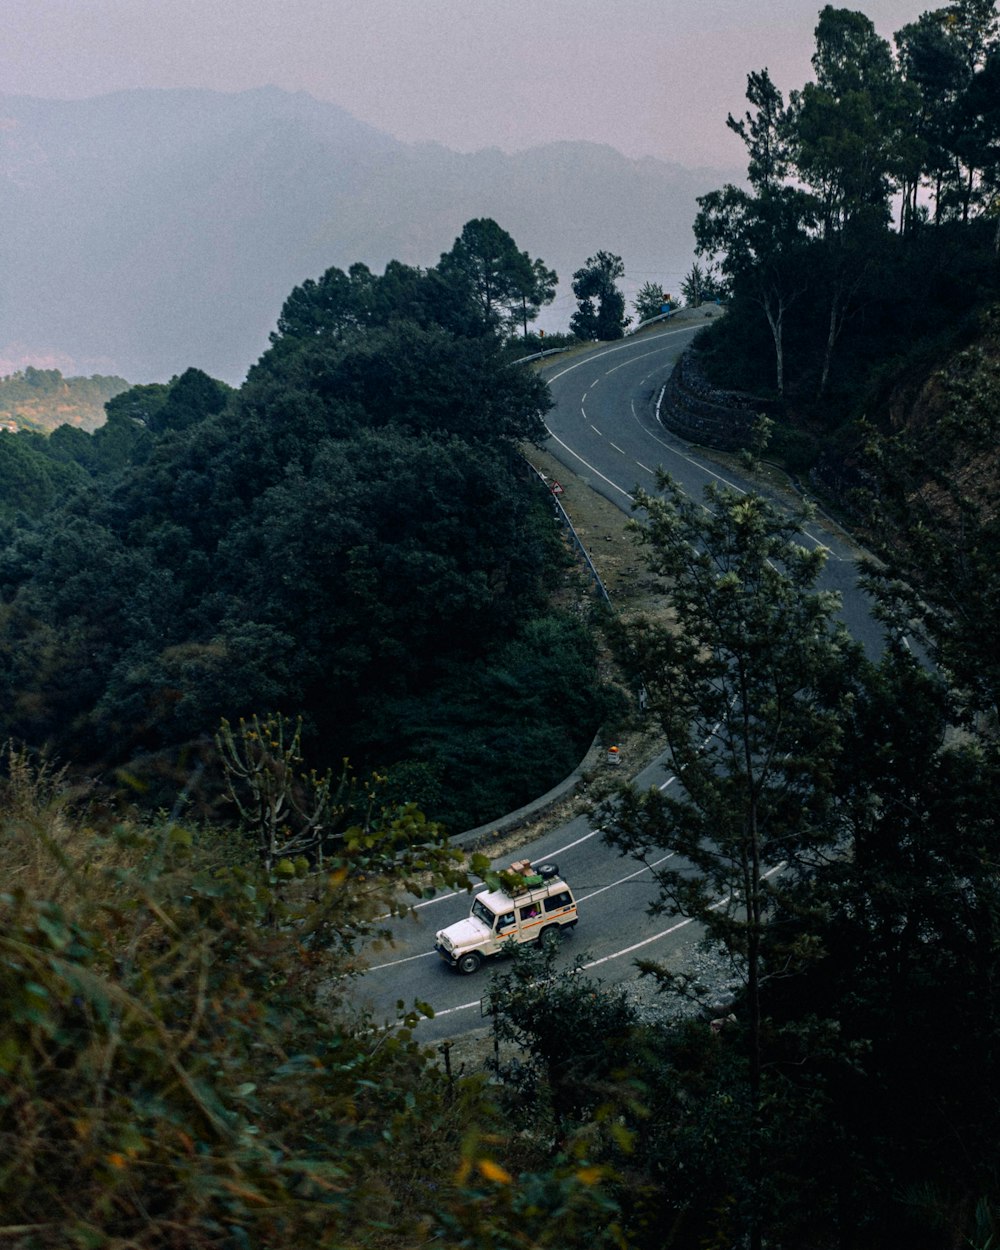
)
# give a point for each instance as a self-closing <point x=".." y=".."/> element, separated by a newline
<point x="575" y="537"/>
<point x="650" y="321"/>
<point x="553" y="351"/>
<point x="673" y="313"/>
<point x="578" y="543"/>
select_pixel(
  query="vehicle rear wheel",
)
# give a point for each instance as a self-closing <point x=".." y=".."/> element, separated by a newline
<point x="549" y="936"/>
<point x="469" y="963"/>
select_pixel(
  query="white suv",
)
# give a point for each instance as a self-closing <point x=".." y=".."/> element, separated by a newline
<point x="535" y="913"/>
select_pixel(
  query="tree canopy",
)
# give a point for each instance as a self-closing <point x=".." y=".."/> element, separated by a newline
<point x="505" y="287"/>
<point x="649" y="302"/>
<point x="814" y="265"/>
<point x="349" y="537"/>
<point x="601" y="306"/>
<point x="749" y="682"/>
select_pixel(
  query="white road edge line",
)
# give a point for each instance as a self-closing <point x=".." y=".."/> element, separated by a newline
<point x="590" y="467"/>
<point x="596" y="963"/>
<point x="619" y="347"/>
<point x="698" y="464"/>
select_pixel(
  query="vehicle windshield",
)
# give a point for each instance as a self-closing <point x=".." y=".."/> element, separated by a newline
<point x="483" y="913"/>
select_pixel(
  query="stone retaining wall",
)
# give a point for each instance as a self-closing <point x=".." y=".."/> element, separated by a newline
<point x="703" y="414"/>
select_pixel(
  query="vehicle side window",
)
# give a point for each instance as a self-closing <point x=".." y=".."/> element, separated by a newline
<point x="557" y="901"/>
<point x="529" y="912"/>
<point x="505" y="922"/>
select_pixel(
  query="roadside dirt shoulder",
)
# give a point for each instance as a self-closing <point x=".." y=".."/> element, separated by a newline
<point x="603" y="530"/>
<point x="618" y="558"/>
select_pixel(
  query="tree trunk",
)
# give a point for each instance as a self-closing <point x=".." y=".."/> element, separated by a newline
<point x="775" y="311"/>
<point x="755" y="1159"/>
<point x="754" y="909"/>
<point x="843" y="292"/>
<point x="831" y="338"/>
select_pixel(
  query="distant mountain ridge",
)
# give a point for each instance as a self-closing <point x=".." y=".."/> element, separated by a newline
<point x="148" y="231"/>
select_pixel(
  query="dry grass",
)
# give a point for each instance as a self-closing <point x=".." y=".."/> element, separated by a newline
<point x="46" y="842"/>
<point x="603" y="530"/>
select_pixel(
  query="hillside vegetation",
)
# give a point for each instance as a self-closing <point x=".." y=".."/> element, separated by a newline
<point x="42" y="399"/>
<point x="351" y="538"/>
<point x="863" y="246"/>
<point x="223" y="594"/>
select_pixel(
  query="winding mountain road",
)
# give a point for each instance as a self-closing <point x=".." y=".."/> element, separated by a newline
<point x="604" y="427"/>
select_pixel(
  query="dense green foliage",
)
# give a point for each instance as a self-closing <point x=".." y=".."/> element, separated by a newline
<point x="169" y="1081"/>
<point x="823" y="289"/>
<point x="600" y="312"/>
<point x="649" y="301"/>
<point x="837" y="836"/>
<point x="887" y="1042"/>
<point x="351" y="538"/>
<point x="750" y="683"/>
<point x="855" y="1083"/>
<point x="701" y="284"/>
<point x="30" y="480"/>
<point x="39" y="472"/>
<point x="508" y="287"/>
<point x="347" y="540"/>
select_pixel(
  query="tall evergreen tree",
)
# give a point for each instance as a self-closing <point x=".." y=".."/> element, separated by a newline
<point x="601" y="310"/>
<point x="700" y="284"/>
<point x="649" y="301"/>
<point x="759" y="243"/>
<point x="504" y="286"/>
<point x="940" y="54"/>
<point x="747" y="683"/>
<point x="764" y="132"/>
<point x="846" y="122"/>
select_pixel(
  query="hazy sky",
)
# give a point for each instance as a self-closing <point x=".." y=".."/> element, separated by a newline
<point x="649" y="77"/>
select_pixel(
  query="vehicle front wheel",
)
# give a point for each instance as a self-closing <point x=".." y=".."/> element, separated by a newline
<point x="469" y="963"/>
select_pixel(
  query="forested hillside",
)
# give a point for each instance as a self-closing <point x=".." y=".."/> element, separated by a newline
<point x="862" y="276"/>
<point x="351" y="538"/>
<point x="42" y="399"/>
<point x="865" y="243"/>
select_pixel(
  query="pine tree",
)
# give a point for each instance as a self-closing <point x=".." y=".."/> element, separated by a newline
<point x="747" y="683"/>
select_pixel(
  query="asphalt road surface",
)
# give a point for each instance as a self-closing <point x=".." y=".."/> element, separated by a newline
<point x="604" y="427"/>
<point x="612" y="893"/>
